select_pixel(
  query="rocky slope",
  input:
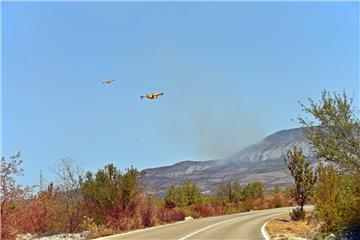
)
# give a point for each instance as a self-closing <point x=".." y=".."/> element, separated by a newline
<point x="262" y="161"/>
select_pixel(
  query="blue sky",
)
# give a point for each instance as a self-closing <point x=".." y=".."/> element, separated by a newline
<point x="232" y="73"/>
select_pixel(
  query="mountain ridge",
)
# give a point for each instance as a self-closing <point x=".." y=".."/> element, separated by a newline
<point x="261" y="161"/>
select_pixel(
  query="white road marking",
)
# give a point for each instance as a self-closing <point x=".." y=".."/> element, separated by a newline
<point x="264" y="232"/>
<point x="205" y="228"/>
<point x="219" y="223"/>
<point x="243" y="215"/>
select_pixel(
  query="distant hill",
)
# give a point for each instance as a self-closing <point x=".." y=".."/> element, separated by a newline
<point x="262" y="161"/>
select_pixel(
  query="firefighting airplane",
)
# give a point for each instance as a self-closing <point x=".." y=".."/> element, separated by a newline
<point x="152" y="95"/>
<point x="108" y="81"/>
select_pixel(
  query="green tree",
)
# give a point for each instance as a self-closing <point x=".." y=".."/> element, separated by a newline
<point x="335" y="135"/>
<point x="110" y="188"/>
<point x="251" y="192"/>
<point x="130" y="186"/>
<point x="254" y="190"/>
<point x="304" y="177"/>
<point x="171" y="197"/>
<point x="229" y="192"/>
<point x="103" y="188"/>
<point x="185" y="195"/>
<point x="191" y="192"/>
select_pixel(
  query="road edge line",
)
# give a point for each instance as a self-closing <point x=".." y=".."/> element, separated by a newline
<point x="264" y="232"/>
<point x="207" y="227"/>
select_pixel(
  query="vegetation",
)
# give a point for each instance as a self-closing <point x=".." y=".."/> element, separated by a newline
<point x="109" y="201"/>
<point x="336" y="202"/>
<point x="230" y="192"/>
<point x="335" y="137"/>
<point x="10" y="194"/>
<point x="187" y="194"/>
<point x="304" y="177"/>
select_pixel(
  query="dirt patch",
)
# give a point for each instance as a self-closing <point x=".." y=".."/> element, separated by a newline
<point x="281" y="227"/>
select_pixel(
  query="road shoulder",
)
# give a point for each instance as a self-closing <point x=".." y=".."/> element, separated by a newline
<point x="282" y="227"/>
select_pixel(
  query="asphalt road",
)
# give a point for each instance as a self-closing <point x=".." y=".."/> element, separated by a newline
<point x="236" y="226"/>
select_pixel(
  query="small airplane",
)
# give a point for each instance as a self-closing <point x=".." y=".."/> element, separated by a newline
<point x="108" y="81"/>
<point x="152" y="95"/>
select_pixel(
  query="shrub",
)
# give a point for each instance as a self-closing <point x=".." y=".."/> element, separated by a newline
<point x="278" y="199"/>
<point x="248" y="204"/>
<point x="96" y="230"/>
<point x="335" y="200"/>
<point x="37" y="214"/>
<point x="219" y="209"/>
<point x="148" y="212"/>
<point x="166" y="215"/>
<point x="185" y="195"/>
<point x="297" y="214"/>
<point x="200" y="210"/>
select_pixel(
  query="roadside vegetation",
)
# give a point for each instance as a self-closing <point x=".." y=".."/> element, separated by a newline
<point x="333" y="186"/>
<point x="111" y="201"/>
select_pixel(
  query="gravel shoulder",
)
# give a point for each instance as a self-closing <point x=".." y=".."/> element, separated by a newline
<point x="282" y="227"/>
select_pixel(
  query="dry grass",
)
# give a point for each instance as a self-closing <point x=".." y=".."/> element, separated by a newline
<point x="281" y="227"/>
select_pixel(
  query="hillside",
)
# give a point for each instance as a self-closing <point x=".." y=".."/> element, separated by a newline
<point x="262" y="161"/>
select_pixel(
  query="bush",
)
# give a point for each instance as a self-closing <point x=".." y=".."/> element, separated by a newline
<point x="38" y="214"/>
<point x="187" y="194"/>
<point x="96" y="230"/>
<point x="200" y="210"/>
<point x="248" y="204"/>
<point x="278" y="199"/>
<point x="297" y="214"/>
<point x="335" y="200"/>
<point x="166" y="215"/>
<point x="148" y="212"/>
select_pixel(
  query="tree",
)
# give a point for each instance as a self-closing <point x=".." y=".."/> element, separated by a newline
<point x="229" y="192"/>
<point x="304" y="177"/>
<point x="102" y="191"/>
<point x="130" y="186"/>
<point x="69" y="174"/>
<point x="191" y="191"/>
<point x="9" y="189"/>
<point x="171" y="197"/>
<point x="109" y="188"/>
<point x="185" y="195"/>
<point x="335" y="136"/>
<point x="69" y="179"/>
<point x="10" y="193"/>
<point x="254" y="190"/>
<point x="251" y="192"/>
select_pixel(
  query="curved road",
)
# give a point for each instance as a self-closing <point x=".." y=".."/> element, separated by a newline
<point x="236" y="226"/>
